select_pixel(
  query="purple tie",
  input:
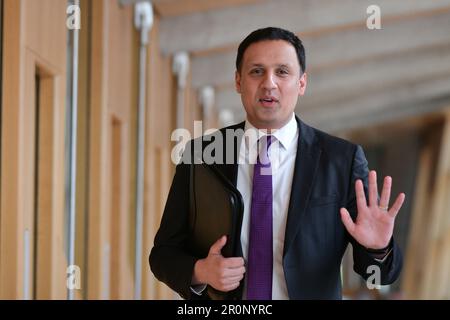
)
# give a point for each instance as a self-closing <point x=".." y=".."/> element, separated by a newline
<point x="260" y="256"/>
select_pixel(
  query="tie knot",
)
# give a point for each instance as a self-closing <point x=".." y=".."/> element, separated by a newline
<point x="266" y="141"/>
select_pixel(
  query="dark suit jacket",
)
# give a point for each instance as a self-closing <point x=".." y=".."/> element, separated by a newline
<point x="325" y="172"/>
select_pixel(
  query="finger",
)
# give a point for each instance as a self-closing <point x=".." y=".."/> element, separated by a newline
<point x="231" y="280"/>
<point x="218" y="245"/>
<point x="235" y="262"/>
<point x="347" y="221"/>
<point x="234" y="272"/>
<point x="397" y="205"/>
<point x="386" y="192"/>
<point x="360" y="195"/>
<point x="373" y="188"/>
<point x="230" y="287"/>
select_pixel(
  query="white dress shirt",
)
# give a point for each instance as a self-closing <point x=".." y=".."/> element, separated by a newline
<point x="282" y="154"/>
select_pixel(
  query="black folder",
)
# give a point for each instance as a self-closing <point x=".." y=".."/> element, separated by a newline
<point x="216" y="209"/>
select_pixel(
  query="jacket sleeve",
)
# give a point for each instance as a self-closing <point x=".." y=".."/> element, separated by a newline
<point x="363" y="261"/>
<point x="169" y="259"/>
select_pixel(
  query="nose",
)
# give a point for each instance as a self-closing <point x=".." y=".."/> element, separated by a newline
<point x="269" y="81"/>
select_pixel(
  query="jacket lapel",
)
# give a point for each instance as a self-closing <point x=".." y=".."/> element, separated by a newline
<point x="306" y="164"/>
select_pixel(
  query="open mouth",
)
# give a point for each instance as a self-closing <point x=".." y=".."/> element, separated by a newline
<point x="268" y="102"/>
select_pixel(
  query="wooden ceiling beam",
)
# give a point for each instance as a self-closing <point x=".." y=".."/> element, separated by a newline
<point x="171" y="8"/>
<point x="207" y="30"/>
<point x="333" y="50"/>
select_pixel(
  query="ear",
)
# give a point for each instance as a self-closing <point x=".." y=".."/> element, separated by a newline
<point x="302" y="84"/>
<point x="237" y="81"/>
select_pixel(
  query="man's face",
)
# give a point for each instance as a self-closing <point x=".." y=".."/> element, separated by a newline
<point x="270" y="83"/>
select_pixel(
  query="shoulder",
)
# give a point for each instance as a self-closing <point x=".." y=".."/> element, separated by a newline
<point x="330" y="145"/>
<point x="335" y="152"/>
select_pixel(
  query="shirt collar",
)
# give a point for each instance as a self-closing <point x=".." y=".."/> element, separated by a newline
<point x="285" y="135"/>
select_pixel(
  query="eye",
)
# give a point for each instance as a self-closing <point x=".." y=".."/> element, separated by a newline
<point x="283" y="72"/>
<point x="256" y="71"/>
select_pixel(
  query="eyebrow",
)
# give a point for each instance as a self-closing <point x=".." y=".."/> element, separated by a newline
<point x="282" y="65"/>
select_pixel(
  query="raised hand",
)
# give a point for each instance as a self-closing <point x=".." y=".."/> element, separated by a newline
<point x="374" y="223"/>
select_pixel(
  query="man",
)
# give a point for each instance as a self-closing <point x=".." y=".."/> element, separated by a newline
<point x="299" y="218"/>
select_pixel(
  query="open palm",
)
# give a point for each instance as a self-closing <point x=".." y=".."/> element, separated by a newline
<point x="374" y="223"/>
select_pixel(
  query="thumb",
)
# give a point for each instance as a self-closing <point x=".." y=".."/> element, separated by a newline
<point x="218" y="245"/>
<point x="347" y="221"/>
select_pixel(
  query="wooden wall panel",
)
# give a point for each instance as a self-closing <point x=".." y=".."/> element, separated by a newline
<point x="414" y="267"/>
<point x="50" y="262"/>
<point x="30" y="44"/>
<point x="122" y="83"/>
<point x="35" y="44"/>
<point x="98" y="154"/>
<point x="437" y="257"/>
<point x="11" y="260"/>
<point x="113" y="103"/>
<point x="82" y="192"/>
<point x="427" y="261"/>
<point x="159" y="170"/>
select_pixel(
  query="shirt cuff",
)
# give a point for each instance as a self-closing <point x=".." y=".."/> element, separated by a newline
<point x="198" y="289"/>
<point x="383" y="259"/>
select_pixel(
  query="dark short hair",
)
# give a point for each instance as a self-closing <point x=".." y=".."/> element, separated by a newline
<point x="272" y="33"/>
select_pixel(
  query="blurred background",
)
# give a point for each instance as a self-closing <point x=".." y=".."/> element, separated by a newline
<point x="91" y="91"/>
